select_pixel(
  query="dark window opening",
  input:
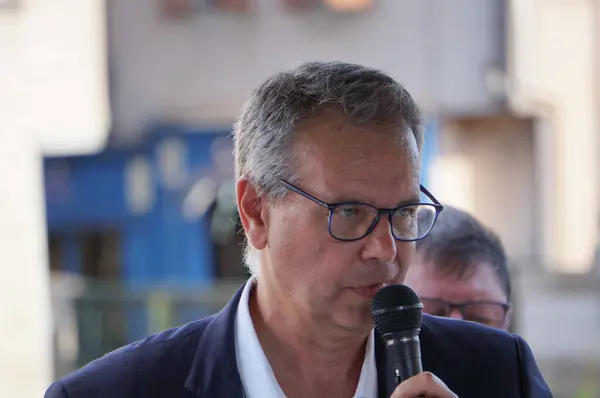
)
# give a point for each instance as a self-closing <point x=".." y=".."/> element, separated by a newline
<point x="101" y="254"/>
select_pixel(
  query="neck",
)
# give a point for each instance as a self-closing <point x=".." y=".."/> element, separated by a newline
<point x="304" y="352"/>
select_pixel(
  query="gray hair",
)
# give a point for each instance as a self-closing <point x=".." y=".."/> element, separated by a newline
<point x="263" y="134"/>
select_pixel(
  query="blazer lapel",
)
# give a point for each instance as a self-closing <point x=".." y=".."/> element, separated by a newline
<point x="214" y="372"/>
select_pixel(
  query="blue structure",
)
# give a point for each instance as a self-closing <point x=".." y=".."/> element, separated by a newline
<point x="89" y="193"/>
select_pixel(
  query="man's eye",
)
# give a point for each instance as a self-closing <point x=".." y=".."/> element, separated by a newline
<point x="348" y="211"/>
<point x="406" y="211"/>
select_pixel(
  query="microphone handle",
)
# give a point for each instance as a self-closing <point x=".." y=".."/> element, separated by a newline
<point x="408" y="368"/>
<point x="404" y="354"/>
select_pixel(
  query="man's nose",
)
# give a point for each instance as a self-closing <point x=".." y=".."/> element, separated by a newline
<point x="381" y="244"/>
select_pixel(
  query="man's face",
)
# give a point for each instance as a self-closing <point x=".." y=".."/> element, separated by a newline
<point x="321" y="277"/>
<point x="481" y="284"/>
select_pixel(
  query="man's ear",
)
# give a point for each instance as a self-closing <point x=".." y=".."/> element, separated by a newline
<point x="251" y="209"/>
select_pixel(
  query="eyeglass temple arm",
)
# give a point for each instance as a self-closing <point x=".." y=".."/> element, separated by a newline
<point x="426" y="192"/>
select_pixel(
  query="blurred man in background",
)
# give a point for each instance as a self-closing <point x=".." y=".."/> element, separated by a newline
<point x="460" y="271"/>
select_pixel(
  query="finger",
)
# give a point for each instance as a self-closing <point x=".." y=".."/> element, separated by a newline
<point x="424" y="384"/>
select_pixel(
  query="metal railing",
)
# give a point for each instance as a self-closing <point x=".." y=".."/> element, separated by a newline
<point x="93" y="318"/>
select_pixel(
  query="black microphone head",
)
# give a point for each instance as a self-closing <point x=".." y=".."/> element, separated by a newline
<point x="396" y="308"/>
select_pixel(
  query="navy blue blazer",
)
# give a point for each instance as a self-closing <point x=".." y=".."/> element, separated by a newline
<point x="198" y="360"/>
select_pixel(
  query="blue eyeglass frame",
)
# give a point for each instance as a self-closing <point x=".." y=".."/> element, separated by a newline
<point x="380" y="211"/>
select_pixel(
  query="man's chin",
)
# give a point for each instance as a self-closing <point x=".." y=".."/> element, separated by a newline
<point x="357" y="320"/>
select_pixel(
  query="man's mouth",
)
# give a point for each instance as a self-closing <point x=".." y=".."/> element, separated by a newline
<point x="368" y="292"/>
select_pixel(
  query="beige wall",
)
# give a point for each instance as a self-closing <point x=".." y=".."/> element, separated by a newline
<point x="63" y="71"/>
<point x="52" y="99"/>
<point x="495" y="176"/>
<point x="553" y="76"/>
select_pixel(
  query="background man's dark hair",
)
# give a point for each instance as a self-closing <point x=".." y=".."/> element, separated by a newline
<point x="458" y="243"/>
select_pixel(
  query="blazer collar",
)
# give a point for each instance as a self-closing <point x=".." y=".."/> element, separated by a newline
<point x="214" y="372"/>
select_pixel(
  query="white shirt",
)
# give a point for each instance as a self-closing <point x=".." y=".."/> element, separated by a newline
<point x="255" y="371"/>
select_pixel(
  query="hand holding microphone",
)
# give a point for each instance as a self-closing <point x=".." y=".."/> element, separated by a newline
<point x="423" y="385"/>
<point x="397" y="314"/>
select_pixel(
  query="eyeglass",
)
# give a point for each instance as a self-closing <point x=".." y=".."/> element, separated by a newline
<point x="351" y="221"/>
<point x="490" y="313"/>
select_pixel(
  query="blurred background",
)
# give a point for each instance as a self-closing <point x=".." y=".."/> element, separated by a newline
<point x="117" y="199"/>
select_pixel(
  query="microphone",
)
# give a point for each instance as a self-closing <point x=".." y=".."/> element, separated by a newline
<point x="397" y="315"/>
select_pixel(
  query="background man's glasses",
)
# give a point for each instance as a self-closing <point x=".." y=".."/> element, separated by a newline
<point x="350" y="221"/>
<point x="489" y="313"/>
